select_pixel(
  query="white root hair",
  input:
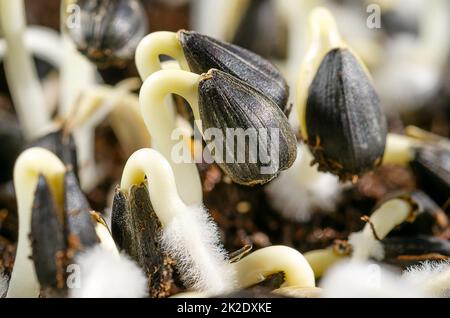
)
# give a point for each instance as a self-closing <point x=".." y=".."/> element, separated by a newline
<point x="366" y="280"/>
<point x="431" y="276"/>
<point x="192" y="238"/>
<point x="189" y="234"/>
<point x="104" y="274"/>
<point x="301" y="189"/>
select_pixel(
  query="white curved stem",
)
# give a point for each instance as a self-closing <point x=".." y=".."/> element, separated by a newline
<point x="324" y="36"/>
<point x="148" y="163"/>
<point x="164" y="82"/>
<point x="321" y="260"/>
<point x="160" y="123"/>
<point x="148" y="62"/>
<point x="45" y="44"/>
<point x="42" y="42"/>
<point x="30" y="164"/>
<point x="23" y="82"/>
<point x="381" y="222"/>
<point x="189" y="235"/>
<point x="388" y="216"/>
<point x="123" y="111"/>
<point x="77" y="73"/>
<point x="255" y="267"/>
<point x="105" y="237"/>
<point x="152" y="47"/>
<point x="399" y="149"/>
<point x="128" y="124"/>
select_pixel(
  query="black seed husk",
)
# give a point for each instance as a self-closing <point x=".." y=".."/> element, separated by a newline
<point x="227" y="102"/>
<point x="345" y="124"/>
<point x="79" y="224"/>
<point x="431" y="165"/>
<point x="12" y="143"/>
<point x="137" y="230"/>
<point x="109" y="30"/>
<point x="408" y="251"/>
<point x="48" y="242"/>
<point x="417" y="245"/>
<point x="120" y="221"/>
<point x="262" y="30"/>
<point x="62" y="145"/>
<point x="395" y="24"/>
<point x="204" y="53"/>
<point x="273" y="281"/>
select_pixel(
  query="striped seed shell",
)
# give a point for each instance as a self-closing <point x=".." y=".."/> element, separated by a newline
<point x="109" y="30"/>
<point x="80" y="227"/>
<point x="62" y="145"/>
<point x="345" y="124"/>
<point x="12" y="141"/>
<point x="204" y="53"/>
<point x="56" y="240"/>
<point x="431" y="164"/>
<point x="416" y="245"/>
<point x="136" y="230"/>
<point x="405" y="251"/>
<point x="263" y="30"/>
<point x="47" y="241"/>
<point x="227" y="102"/>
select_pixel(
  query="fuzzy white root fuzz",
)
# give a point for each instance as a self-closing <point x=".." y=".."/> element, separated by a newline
<point x="366" y="280"/>
<point x="418" y="274"/>
<point x="189" y="234"/>
<point x="301" y="188"/>
<point x="104" y="274"/>
<point x="432" y="277"/>
<point x="192" y="238"/>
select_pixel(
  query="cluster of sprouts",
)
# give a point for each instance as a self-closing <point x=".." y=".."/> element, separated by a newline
<point x="342" y="135"/>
